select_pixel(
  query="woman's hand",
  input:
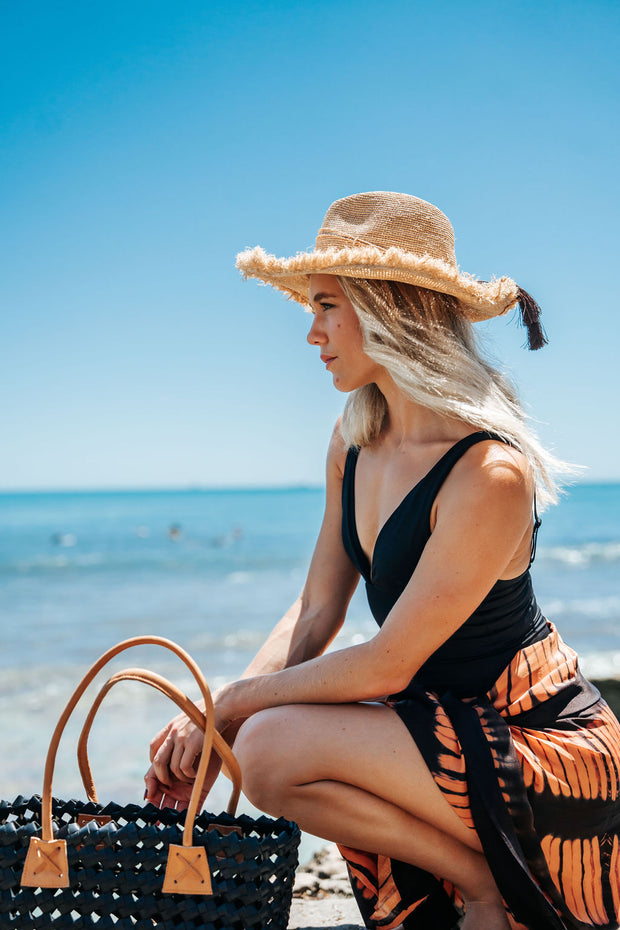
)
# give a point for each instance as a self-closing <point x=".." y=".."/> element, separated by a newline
<point x="175" y="755"/>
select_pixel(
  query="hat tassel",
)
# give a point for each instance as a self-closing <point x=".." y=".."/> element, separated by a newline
<point x="530" y="316"/>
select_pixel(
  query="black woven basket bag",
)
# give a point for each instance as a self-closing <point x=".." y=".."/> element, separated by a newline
<point x="75" y="864"/>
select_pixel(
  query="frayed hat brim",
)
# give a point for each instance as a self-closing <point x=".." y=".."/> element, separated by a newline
<point x="481" y="300"/>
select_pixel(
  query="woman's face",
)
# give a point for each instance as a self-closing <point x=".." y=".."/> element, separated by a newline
<point x="336" y="330"/>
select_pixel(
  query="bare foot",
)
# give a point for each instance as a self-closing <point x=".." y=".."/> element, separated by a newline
<point x="482" y="915"/>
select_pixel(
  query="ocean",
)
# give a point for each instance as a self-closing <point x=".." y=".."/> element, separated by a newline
<point x="214" y="571"/>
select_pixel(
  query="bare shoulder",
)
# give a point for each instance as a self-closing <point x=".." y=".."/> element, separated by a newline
<point x="337" y="452"/>
<point x="492" y="474"/>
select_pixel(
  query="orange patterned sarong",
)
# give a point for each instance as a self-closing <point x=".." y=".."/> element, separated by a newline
<point x="534" y="767"/>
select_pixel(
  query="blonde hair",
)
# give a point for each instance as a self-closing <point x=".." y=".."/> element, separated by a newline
<point x="429" y="348"/>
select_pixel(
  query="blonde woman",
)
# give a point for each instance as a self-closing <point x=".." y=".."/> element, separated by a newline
<point x="458" y="757"/>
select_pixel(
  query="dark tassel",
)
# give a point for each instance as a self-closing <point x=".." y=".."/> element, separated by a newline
<point x="530" y="317"/>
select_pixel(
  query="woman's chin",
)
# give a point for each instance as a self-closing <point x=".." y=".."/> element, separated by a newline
<point x="343" y="386"/>
<point x="346" y="385"/>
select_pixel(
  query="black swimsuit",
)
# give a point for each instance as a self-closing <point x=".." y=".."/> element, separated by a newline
<point x="507" y="619"/>
<point x="520" y="744"/>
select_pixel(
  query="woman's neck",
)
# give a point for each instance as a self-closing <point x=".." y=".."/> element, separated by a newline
<point x="410" y="422"/>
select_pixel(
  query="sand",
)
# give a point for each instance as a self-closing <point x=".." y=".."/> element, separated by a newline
<point x="322" y="895"/>
<point x="331" y="912"/>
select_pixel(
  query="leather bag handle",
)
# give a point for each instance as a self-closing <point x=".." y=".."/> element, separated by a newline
<point x="187" y="871"/>
<point x="230" y="768"/>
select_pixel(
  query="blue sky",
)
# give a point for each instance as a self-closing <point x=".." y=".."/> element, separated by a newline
<point x="143" y="144"/>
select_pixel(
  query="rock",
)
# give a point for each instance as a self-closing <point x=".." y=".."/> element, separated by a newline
<point x="325" y="875"/>
<point x="610" y="690"/>
<point x="306" y="884"/>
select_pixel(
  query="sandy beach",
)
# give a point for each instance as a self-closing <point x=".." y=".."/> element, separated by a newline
<point x="331" y="912"/>
<point x="322" y="895"/>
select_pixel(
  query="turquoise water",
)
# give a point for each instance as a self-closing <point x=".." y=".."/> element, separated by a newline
<point x="213" y="570"/>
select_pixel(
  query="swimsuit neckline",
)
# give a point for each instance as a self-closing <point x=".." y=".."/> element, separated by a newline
<point x="370" y="561"/>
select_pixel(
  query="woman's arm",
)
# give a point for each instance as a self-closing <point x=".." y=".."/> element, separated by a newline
<point x="304" y="632"/>
<point x="482" y="517"/>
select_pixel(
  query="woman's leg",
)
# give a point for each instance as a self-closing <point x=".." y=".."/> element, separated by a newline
<point x="353" y="774"/>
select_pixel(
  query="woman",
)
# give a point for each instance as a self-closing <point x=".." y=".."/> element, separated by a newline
<point x="489" y="778"/>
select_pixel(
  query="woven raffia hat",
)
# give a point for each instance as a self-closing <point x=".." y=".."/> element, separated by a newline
<point x="392" y="237"/>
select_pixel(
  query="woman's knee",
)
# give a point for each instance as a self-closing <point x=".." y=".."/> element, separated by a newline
<point x="261" y="750"/>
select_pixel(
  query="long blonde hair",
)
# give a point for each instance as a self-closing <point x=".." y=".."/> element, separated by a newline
<point x="429" y="348"/>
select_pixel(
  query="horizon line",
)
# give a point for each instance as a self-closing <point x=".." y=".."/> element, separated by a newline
<point x="163" y="489"/>
<point x="220" y="488"/>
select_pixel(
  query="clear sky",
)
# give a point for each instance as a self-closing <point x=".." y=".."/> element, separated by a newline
<point x="143" y="143"/>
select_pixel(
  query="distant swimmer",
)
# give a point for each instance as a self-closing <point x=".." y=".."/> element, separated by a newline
<point x="66" y="540"/>
<point x="174" y="531"/>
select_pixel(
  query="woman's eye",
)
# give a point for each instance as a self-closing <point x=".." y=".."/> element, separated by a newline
<point x="326" y="306"/>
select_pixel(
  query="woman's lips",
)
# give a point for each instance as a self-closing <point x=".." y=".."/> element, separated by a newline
<point x="328" y="359"/>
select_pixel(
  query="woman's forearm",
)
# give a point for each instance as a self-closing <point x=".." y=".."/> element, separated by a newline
<point x="356" y="673"/>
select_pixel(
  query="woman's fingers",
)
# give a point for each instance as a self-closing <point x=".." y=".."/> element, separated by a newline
<point x="176" y="794"/>
<point x="176" y="727"/>
<point x="188" y="765"/>
<point x="162" y="761"/>
<point x="157" y="741"/>
<point x="178" y="764"/>
<point x="187" y="748"/>
<point x="174" y="751"/>
<point x="153" y="792"/>
<point x="192" y="751"/>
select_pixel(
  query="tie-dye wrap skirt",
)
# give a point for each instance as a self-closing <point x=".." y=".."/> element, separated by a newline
<point x="534" y="768"/>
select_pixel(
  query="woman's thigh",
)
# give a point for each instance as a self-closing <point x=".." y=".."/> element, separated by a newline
<point x="364" y="745"/>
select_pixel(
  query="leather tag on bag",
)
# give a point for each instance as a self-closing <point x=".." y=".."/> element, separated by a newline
<point x="46" y="864"/>
<point x="187" y="871"/>
<point x="226" y="829"/>
<point x="100" y="819"/>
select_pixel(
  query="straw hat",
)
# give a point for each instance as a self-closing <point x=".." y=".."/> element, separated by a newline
<point x="394" y="237"/>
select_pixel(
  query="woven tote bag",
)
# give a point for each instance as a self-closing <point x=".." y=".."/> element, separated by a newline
<point x="79" y="864"/>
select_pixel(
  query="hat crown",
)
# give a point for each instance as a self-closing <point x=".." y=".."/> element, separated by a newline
<point x="385" y="219"/>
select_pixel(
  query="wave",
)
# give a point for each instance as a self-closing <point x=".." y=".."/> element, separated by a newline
<point x="600" y="665"/>
<point x="582" y="556"/>
<point x="234" y="567"/>
<point x="598" y="608"/>
<point x="54" y="562"/>
<point x="238" y="567"/>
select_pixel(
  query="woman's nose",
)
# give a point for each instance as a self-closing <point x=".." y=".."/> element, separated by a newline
<point x="315" y="334"/>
